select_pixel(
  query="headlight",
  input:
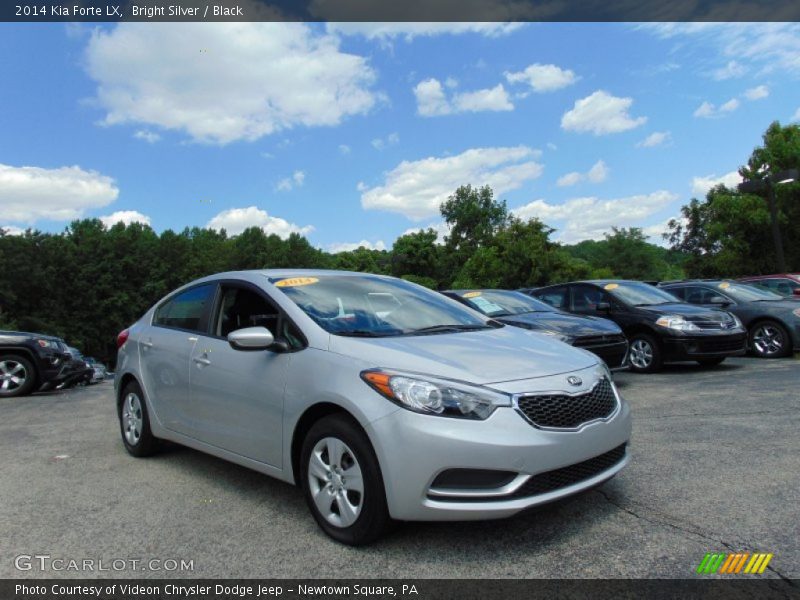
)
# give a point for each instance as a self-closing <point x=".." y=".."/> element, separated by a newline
<point x="433" y="396"/>
<point x="677" y="323"/>
<point x="559" y="336"/>
<point x="796" y="312"/>
<point x="737" y="322"/>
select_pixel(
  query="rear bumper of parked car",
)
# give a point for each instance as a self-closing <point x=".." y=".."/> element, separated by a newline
<point x="526" y="466"/>
<point x="705" y="346"/>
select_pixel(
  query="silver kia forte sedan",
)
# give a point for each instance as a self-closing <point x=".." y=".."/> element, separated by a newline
<point x="380" y="398"/>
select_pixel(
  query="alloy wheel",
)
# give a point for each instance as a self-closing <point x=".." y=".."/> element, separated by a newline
<point x="13" y="375"/>
<point x="768" y="340"/>
<point x="132" y="419"/>
<point x="336" y="482"/>
<point x="641" y="354"/>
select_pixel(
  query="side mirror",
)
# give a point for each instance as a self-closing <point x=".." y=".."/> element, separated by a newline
<point x="719" y="300"/>
<point x="603" y="307"/>
<point x="251" y="338"/>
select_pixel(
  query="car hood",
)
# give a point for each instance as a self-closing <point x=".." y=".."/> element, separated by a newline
<point x="566" y="324"/>
<point x="691" y="312"/>
<point x="484" y="356"/>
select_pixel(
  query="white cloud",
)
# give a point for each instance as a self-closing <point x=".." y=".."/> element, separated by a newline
<point x="417" y="188"/>
<point x="730" y="71"/>
<point x="151" y="137"/>
<point x="543" y="78"/>
<point x="30" y="194"/>
<point x="489" y="99"/>
<point x="589" y="218"/>
<point x="250" y="80"/>
<point x="656" y="232"/>
<point x="796" y="115"/>
<point x="597" y="174"/>
<point x="569" y="179"/>
<point x="287" y="184"/>
<point x="743" y="47"/>
<point x="410" y="30"/>
<point x="432" y="100"/>
<point x="657" y="138"/>
<point x="441" y="228"/>
<point x="601" y="114"/>
<point x="390" y="140"/>
<point x="708" y="111"/>
<point x="236" y="220"/>
<point x="12" y="230"/>
<point x="349" y="246"/>
<point x="757" y="93"/>
<point x="701" y="185"/>
<point x="126" y="216"/>
<point x="344" y="149"/>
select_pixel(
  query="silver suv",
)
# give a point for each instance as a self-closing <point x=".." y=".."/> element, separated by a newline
<point x="380" y="398"/>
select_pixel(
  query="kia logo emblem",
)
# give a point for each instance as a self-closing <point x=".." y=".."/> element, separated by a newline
<point x="573" y="380"/>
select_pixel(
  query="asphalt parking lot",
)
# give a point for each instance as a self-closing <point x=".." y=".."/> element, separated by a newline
<point x="716" y="457"/>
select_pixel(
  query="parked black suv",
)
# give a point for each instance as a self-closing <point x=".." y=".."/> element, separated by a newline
<point x="600" y="336"/>
<point x="660" y="327"/>
<point x="772" y="321"/>
<point x="30" y="362"/>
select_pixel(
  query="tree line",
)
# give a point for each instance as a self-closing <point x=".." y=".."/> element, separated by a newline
<point x="90" y="281"/>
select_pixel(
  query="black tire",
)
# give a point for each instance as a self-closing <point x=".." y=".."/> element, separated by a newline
<point x="711" y="362"/>
<point x="132" y="411"/>
<point x="652" y="359"/>
<point x="373" y="514"/>
<point x="769" y="339"/>
<point x="17" y="376"/>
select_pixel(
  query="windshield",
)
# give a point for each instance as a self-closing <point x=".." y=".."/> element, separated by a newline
<point x="639" y="294"/>
<point x="747" y="293"/>
<point x="494" y="303"/>
<point x="370" y="306"/>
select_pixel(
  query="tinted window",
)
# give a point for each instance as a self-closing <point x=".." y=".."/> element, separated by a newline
<point x="556" y="297"/>
<point x="587" y="298"/>
<point x="185" y="311"/>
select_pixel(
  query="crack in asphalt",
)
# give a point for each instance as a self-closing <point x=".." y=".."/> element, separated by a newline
<point x="695" y="530"/>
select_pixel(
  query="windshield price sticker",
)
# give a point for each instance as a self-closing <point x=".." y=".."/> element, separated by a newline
<point x="472" y="294"/>
<point x="611" y="286"/>
<point x="724" y="285"/>
<point x="296" y="281"/>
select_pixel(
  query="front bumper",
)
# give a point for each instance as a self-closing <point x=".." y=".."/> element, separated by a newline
<point x="705" y="346"/>
<point x="415" y="449"/>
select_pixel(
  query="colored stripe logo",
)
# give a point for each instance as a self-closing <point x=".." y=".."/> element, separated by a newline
<point x="738" y="562"/>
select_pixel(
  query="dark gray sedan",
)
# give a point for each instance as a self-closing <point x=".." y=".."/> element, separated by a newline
<point x="596" y="334"/>
<point x="772" y="321"/>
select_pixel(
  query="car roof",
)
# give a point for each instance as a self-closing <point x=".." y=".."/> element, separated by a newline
<point x="466" y="290"/>
<point x="711" y="282"/>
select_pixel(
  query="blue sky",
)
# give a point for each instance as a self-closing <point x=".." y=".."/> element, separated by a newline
<point x="355" y="133"/>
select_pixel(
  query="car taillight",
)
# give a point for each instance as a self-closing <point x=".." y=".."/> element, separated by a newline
<point x="122" y="338"/>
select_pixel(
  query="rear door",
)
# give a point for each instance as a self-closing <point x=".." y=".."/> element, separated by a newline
<point x="165" y="348"/>
<point x="237" y="395"/>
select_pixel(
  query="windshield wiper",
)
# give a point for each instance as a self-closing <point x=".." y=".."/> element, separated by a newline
<point x="656" y="303"/>
<point x="447" y="328"/>
<point x="367" y="333"/>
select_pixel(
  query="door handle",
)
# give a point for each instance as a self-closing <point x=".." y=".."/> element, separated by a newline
<point x="201" y="360"/>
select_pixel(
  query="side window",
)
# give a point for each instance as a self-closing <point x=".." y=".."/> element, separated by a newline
<point x="556" y="297"/>
<point x="586" y="298"/>
<point x="679" y="292"/>
<point x="185" y="311"/>
<point x="695" y="295"/>
<point x="240" y="308"/>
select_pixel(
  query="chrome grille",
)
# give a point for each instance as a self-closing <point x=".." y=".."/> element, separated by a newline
<point x="563" y="411"/>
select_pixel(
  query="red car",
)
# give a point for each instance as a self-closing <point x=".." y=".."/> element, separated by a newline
<point x="785" y="284"/>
